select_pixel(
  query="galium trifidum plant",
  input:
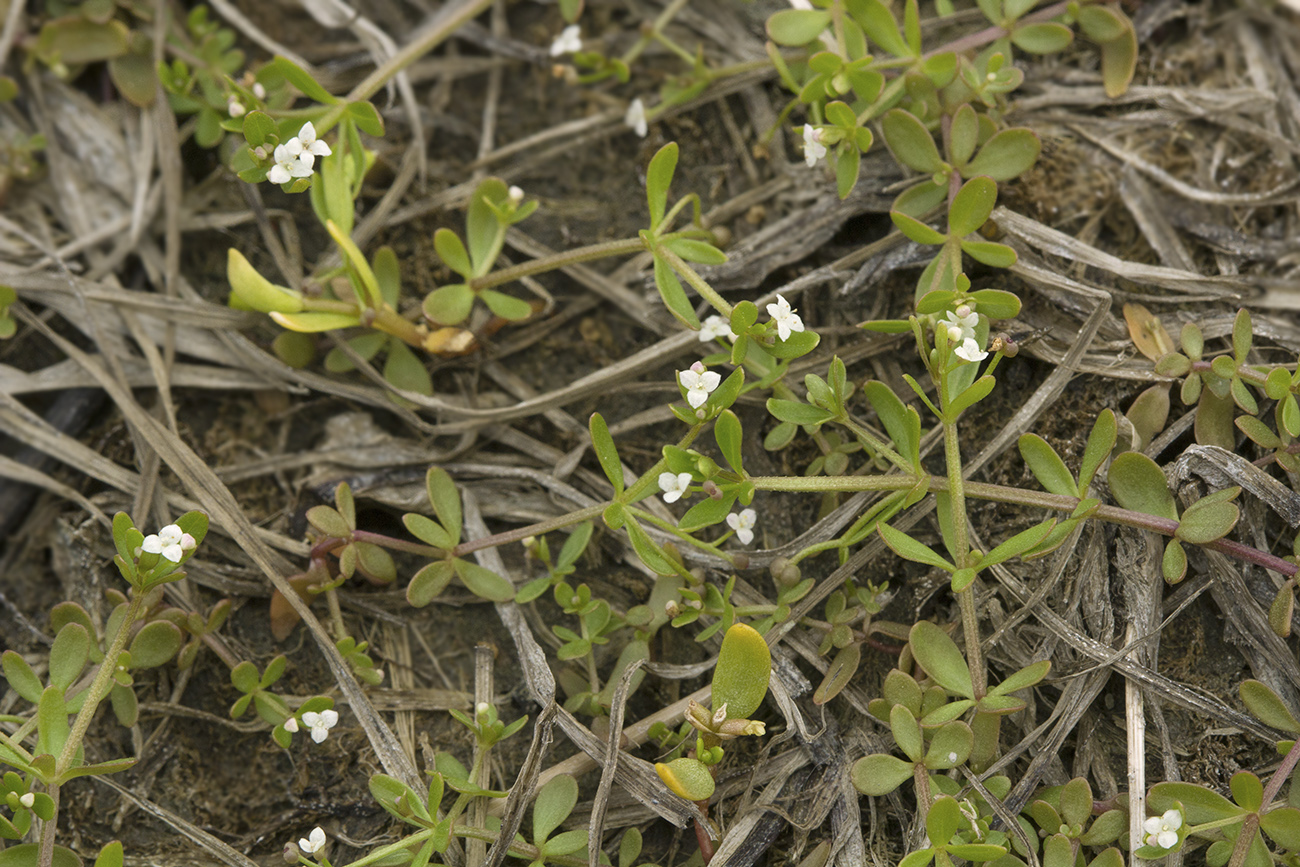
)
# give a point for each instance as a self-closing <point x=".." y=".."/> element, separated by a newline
<point x="859" y="75"/>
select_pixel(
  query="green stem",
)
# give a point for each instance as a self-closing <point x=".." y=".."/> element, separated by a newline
<point x="710" y="548"/>
<point x="531" y="530"/>
<point x="559" y="260"/>
<point x="698" y="283"/>
<point x="970" y="623"/>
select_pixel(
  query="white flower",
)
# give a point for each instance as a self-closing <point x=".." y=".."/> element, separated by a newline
<point x="516" y="195"/>
<point x="698" y="383"/>
<point x="310" y="144"/>
<point x="171" y="542"/>
<point x="813" y="149"/>
<point x="961" y="327"/>
<point x="743" y="524"/>
<point x="290" y="162"/>
<point x="567" y="42"/>
<point x="635" y="117"/>
<point x="970" y="350"/>
<point x="787" y="321"/>
<point x="27" y="800"/>
<point x="674" y="487"/>
<point x="716" y="328"/>
<point x="320" y="723"/>
<point x="314" y="842"/>
<point x="291" y="724"/>
<point x="1162" y="831"/>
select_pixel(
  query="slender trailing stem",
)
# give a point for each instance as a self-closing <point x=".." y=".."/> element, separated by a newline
<point x="559" y="260"/>
<point x="522" y="533"/>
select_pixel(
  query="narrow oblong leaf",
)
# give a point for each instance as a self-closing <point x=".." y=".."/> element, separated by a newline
<point x="938" y="654"/>
<point x="1265" y="705"/>
<point x="794" y="27"/>
<point x="839" y="673"/>
<point x="445" y="500"/>
<point x="606" y="453"/>
<point x="1047" y="466"/>
<point x="910" y="549"/>
<point x="1009" y="154"/>
<point x="911" y="143"/>
<point x="971" y="206"/>
<point x="659" y="176"/>
<point x="555" y="801"/>
<point x="483" y="582"/>
<point x="1101" y="442"/>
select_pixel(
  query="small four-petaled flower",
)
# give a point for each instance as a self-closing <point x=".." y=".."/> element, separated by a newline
<point x="636" y="118"/>
<point x="313" y="842"/>
<point x="568" y="42"/>
<point x="171" y="542"/>
<point x="743" y="524"/>
<point x="970" y="351"/>
<point x="295" y="158"/>
<point x="1162" y="831"/>
<point x="961" y="324"/>
<point x="716" y="328"/>
<point x="787" y="321"/>
<point x="319" y="723"/>
<point x="699" y="383"/>
<point x="674" y="486"/>
<point x="813" y="149"/>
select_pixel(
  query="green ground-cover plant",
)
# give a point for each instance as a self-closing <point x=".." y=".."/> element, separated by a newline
<point x="863" y="79"/>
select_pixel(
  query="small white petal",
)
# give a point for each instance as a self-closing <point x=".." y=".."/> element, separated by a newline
<point x="330" y="718"/>
<point x="1152" y="825"/>
<point x="152" y="545"/>
<point x="293" y="147"/>
<point x="716" y="328"/>
<point x="291" y="725"/>
<point x="567" y="42"/>
<point x="307" y="134"/>
<point x="314" y="842"/>
<point x="745" y="536"/>
<point x="813" y="149"/>
<point x="27" y="800"/>
<point x="970" y="351"/>
<point x="1172" y="820"/>
<point x="279" y="175"/>
<point x="636" y="118"/>
<point x="1167" y="839"/>
<point x="173" y="553"/>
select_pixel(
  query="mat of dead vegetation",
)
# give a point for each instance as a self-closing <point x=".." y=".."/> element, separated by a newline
<point x="130" y="385"/>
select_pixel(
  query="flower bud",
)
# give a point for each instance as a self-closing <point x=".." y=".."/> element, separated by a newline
<point x="711" y="490"/>
<point x="258" y="90"/>
<point x="235" y="108"/>
<point x="291" y="853"/>
<point x="964" y="310"/>
<point x="740" y="561"/>
<point x="27" y="800"/>
<point x="672" y="609"/>
<point x="785" y="573"/>
<point x="516" y="196"/>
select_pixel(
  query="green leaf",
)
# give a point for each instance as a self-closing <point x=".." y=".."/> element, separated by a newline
<point x="707" y="512"/>
<point x="911" y="143"/>
<point x="935" y="652"/>
<point x="1247" y="790"/>
<point x="1100" y="23"/>
<point x="429" y="582"/>
<point x="484" y="583"/>
<point x="964" y="137"/>
<point x="574" y="546"/>
<point x="565" y="843"/>
<point x="110" y="855"/>
<point x="910" y="549"/>
<point x="1026" y="677"/>
<point x="919" y="200"/>
<point x="880" y="25"/>
<point x="1119" y="60"/>
<point x="451" y="250"/>
<point x="1101" y="441"/>
<point x="310" y="322"/>
<point x="483" y="230"/>
<point x="996" y="303"/>
<point x="1007" y="155"/>
<point x="688" y="778"/>
<point x="555" y="801"/>
<point x="449" y="305"/>
<point x="1204" y="522"/>
<point x="67" y="656"/>
<point x="990" y="253"/>
<point x="1265" y="706"/>
<point x="659" y="177"/>
<point x="727" y="431"/>
<point x="358" y="264"/>
<point x="943" y="820"/>
<point x="506" y="306"/>
<point x="1139" y="484"/>
<point x="978" y="390"/>
<point x="901" y="422"/>
<point x="1018" y="544"/>
<point x="28" y="855"/>
<point x="880" y="774"/>
<point x="697" y="251"/>
<point x="1199" y="804"/>
<point x="1173" y="564"/>
<point x="951" y="746"/>
<point x="906" y="732"/>
<point x="21" y="677"/>
<point x="445" y="500"/>
<point x="797" y="345"/>
<point x="367" y="119"/>
<point x="797" y="413"/>
<point x="796" y="27"/>
<point x="847" y="164"/>
<point x="916" y="230"/>
<point x="971" y="206"/>
<point x="629" y="847"/>
<point x="606" y="453"/>
<point x="75" y="40"/>
<point x="650" y="553"/>
<point x="1047" y="466"/>
<point x="403" y="369"/>
<point x="741" y="676"/>
<point x="155" y="644"/>
<point x="673" y="295"/>
<point x="249" y="290"/>
<point x="1045" y="37"/>
<point x="52" y="722"/>
<point x="299" y="78"/>
<point x="258" y="128"/>
<point x="1282" y="825"/>
<point x="839" y="673"/>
